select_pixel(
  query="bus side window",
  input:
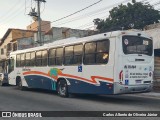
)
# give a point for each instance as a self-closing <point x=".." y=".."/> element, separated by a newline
<point x="18" y="58"/>
<point x="59" y="56"/>
<point x="51" y="57"/>
<point x="68" y="55"/>
<point x="102" y="51"/>
<point x="78" y="54"/>
<point x="89" y="53"/>
<point x="39" y="58"/>
<point x="96" y="52"/>
<point x="28" y="57"/>
<point x="22" y="60"/>
<point x="44" y="57"/>
<point x="32" y="60"/>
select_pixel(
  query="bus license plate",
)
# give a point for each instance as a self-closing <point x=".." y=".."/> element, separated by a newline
<point x="138" y="81"/>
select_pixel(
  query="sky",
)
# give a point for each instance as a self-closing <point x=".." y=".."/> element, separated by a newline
<point x="15" y="14"/>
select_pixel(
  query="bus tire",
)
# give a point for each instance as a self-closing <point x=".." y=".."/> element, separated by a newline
<point x="63" y="88"/>
<point x="19" y="84"/>
<point x="1" y="83"/>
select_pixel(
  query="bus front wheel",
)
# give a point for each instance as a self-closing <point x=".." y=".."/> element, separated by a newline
<point x="1" y="83"/>
<point x="19" y="84"/>
<point x="62" y="88"/>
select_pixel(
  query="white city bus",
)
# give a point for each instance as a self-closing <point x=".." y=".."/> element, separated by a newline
<point x="109" y="63"/>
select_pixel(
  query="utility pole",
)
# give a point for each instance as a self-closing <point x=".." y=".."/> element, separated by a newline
<point x="39" y="21"/>
<point x="38" y="15"/>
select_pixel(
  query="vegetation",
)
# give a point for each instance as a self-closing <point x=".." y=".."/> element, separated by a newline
<point x="133" y="15"/>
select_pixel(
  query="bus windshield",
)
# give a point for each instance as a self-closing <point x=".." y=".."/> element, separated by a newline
<point x="137" y="45"/>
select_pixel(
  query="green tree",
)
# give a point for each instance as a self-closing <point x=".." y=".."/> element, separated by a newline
<point x="133" y="15"/>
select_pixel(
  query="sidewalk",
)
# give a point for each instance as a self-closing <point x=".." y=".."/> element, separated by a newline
<point x="150" y="94"/>
<point x="153" y="93"/>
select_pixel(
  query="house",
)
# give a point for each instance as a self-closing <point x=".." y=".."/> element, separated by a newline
<point x="9" y="41"/>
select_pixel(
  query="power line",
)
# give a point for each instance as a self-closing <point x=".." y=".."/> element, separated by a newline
<point x="72" y="13"/>
<point x="9" y="14"/>
<point x="10" y="9"/>
<point x="91" y="23"/>
<point x="77" y="11"/>
<point x="13" y="16"/>
<point x="84" y="9"/>
<point x="93" y="13"/>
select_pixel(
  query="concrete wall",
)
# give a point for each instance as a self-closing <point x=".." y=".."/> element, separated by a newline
<point x="152" y="26"/>
<point x="48" y="38"/>
<point x="155" y="34"/>
<point x="62" y="33"/>
<point x="57" y="33"/>
<point x="25" y="43"/>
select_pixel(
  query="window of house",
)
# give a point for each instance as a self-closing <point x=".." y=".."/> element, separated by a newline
<point x="2" y="51"/>
<point x="14" y="46"/>
<point x="9" y="47"/>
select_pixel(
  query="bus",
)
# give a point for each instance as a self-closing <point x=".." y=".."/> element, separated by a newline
<point x="116" y="62"/>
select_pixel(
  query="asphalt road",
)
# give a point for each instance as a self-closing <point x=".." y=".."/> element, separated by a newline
<point x="12" y="99"/>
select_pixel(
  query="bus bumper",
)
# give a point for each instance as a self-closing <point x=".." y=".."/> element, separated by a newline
<point x="121" y="89"/>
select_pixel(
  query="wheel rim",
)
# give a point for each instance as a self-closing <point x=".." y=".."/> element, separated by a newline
<point x="62" y="89"/>
<point x="20" y="84"/>
<point x="0" y="83"/>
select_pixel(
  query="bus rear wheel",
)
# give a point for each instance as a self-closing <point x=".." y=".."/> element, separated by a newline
<point x="62" y="88"/>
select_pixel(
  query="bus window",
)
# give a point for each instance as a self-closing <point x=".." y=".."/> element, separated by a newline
<point x="89" y="53"/>
<point x="28" y="57"/>
<point x="59" y="56"/>
<point x="137" y="45"/>
<point x="78" y="54"/>
<point x="68" y="57"/>
<point x="44" y="57"/>
<point x="22" y="59"/>
<point x="32" y="61"/>
<point x="96" y="52"/>
<point x="10" y="65"/>
<point x="52" y="53"/>
<point x="102" y="51"/>
<point x="38" y="58"/>
<point x="18" y="60"/>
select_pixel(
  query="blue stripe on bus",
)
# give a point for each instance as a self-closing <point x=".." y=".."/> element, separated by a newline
<point x="35" y="81"/>
<point x="83" y="87"/>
